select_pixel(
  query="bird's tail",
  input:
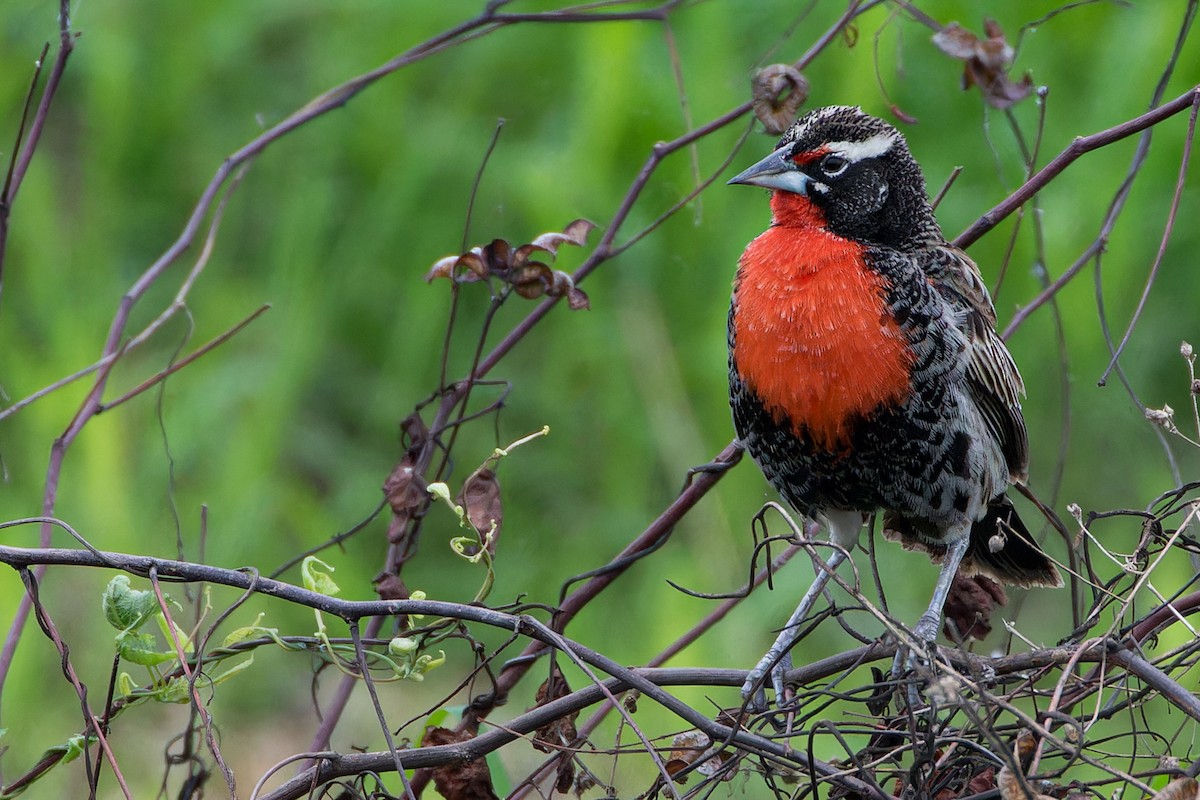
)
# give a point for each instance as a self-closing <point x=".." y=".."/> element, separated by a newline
<point x="1002" y="549"/>
<point x="1001" y="546"/>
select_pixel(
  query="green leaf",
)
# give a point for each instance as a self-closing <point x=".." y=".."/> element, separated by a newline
<point x="73" y="749"/>
<point x="125" y="684"/>
<point x="417" y="594"/>
<point x="221" y="677"/>
<point x="142" y="649"/>
<point x="66" y="753"/>
<point x="184" y="640"/>
<point x="315" y="580"/>
<point x="425" y="663"/>
<point x="126" y="608"/>
<point x="176" y="690"/>
<point x="402" y="646"/>
<point x="442" y="492"/>
<point x="437" y="719"/>
<point x="253" y="631"/>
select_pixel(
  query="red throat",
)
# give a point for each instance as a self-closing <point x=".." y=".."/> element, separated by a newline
<point x="812" y="335"/>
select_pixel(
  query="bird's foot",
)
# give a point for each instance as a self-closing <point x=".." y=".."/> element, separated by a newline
<point x="715" y="467"/>
<point x="911" y="664"/>
<point x="754" y="692"/>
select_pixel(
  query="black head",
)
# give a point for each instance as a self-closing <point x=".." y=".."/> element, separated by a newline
<point x="857" y="170"/>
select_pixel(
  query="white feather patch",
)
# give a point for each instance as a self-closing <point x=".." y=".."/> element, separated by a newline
<point x="854" y="152"/>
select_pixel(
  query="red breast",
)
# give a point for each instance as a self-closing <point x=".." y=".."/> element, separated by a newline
<point x="813" y="336"/>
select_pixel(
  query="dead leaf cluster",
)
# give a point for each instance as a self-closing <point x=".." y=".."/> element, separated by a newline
<point x="515" y="266"/>
<point x="460" y="780"/>
<point x="480" y="499"/>
<point x="559" y="735"/>
<point x="987" y="62"/>
<point x="969" y="607"/>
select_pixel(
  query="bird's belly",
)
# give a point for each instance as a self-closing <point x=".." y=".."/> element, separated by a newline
<point x="917" y="458"/>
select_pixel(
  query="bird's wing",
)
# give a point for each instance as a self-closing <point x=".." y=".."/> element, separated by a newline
<point x="992" y="377"/>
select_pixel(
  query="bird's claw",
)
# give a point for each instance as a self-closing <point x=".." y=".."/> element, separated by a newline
<point x="754" y="692"/>
<point x="778" y="673"/>
<point x="914" y="662"/>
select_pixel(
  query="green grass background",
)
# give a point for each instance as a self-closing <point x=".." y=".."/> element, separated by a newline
<point x="287" y="432"/>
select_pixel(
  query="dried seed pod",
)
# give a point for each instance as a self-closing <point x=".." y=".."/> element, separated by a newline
<point x="778" y="91"/>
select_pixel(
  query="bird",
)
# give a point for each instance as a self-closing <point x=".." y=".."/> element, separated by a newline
<point x="866" y="373"/>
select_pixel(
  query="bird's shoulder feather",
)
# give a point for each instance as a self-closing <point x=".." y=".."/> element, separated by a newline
<point x="993" y="380"/>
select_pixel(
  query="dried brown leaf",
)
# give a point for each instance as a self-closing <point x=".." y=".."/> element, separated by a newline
<point x="1024" y="746"/>
<point x="471" y="266"/>
<point x="997" y="52"/>
<point x="498" y="255"/>
<point x="956" y="41"/>
<point x="982" y="782"/>
<point x="561" y="732"/>
<point x="577" y="230"/>
<point x="530" y="279"/>
<point x="405" y="492"/>
<point x="978" y="784"/>
<point x="413" y="433"/>
<point x="584" y="781"/>
<point x="577" y="300"/>
<point x="566" y="775"/>
<point x="1011" y="787"/>
<point x="1003" y="93"/>
<point x="480" y="497"/>
<point x="988" y="61"/>
<point x="688" y="747"/>
<point x="969" y="606"/>
<point x="470" y="780"/>
<point x="778" y="91"/>
<point x="733" y="717"/>
<point x="521" y="254"/>
<point x="1178" y="789"/>
<point x="1014" y="786"/>
<point x="560" y="283"/>
<point x="391" y="587"/>
<point x="563" y="285"/>
<point x="442" y="268"/>
<point x="575" y="233"/>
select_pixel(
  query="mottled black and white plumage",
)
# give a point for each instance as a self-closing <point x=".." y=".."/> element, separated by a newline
<point x="865" y="369"/>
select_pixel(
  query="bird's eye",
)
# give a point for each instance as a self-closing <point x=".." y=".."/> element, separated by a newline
<point x="833" y="165"/>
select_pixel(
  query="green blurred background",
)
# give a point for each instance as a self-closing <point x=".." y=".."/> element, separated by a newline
<point x="286" y="432"/>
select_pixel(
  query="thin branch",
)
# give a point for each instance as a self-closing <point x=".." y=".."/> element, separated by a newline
<point x="1079" y="147"/>
<point x="1168" y="228"/>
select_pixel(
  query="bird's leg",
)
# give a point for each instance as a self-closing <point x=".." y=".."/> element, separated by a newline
<point x="927" y="626"/>
<point x="776" y="661"/>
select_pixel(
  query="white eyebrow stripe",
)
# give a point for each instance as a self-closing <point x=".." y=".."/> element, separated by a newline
<point x="854" y="152"/>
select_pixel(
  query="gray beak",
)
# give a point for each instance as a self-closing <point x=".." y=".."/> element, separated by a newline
<point x="776" y="171"/>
